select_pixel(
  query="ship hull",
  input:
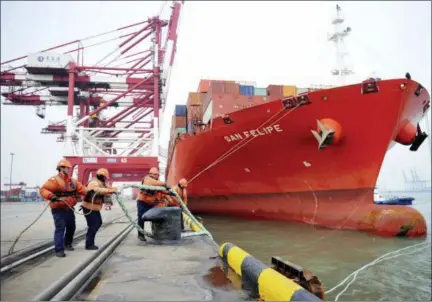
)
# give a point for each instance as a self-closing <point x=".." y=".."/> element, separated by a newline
<point x="335" y="209"/>
<point x="276" y="169"/>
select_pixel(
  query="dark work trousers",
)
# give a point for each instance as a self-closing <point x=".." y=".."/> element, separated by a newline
<point x="94" y="222"/>
<point x="64" y="222"/>
<point x="142" y="208"/>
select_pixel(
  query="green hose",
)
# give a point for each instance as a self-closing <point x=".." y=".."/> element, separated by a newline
<point x="157" y="188"/>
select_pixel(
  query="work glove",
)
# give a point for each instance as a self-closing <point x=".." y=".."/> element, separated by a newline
<point x="171" y="193"/>
<point x="168" y="187"/>
<point x="54" y="198"/>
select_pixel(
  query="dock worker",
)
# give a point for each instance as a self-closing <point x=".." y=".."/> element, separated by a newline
<point x="92" y="204"/>
<point x="148" y="199"/>
<point x="62" y="192"/>
<point x="180" y="189"/>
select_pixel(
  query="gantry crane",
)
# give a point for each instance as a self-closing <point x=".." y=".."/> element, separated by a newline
<point x="129" y="85"/>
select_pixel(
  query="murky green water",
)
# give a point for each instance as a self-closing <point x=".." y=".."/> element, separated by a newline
<point x="333" y="254"/>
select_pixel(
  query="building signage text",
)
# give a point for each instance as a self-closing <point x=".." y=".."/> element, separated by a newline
<point x="90" y="160"/>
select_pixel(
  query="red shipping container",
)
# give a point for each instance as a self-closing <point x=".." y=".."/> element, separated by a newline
<point x="227" y="103"/>
<point x="217" y="87"/>
<point x="232" y="87"/>
<point x="275" y="91"/>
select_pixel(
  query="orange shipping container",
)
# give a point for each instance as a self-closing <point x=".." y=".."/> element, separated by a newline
<point x="194" y="112"/>
<point x="180" y="121"/>
<point x="289" y="91"/>
<point x="203" y="86"/>
<point x="195" y="98"/>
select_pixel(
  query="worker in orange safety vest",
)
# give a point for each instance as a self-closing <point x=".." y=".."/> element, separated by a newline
<point x="62" y="192"/>
<point x="180" y="189"/>
<point x="92" y="205"/>
<point x="148" y="199"/>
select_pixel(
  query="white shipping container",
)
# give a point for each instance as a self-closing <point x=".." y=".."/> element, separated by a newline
<point x="302" y="90"/>
<point x="49" y="60"/>
<point x="208" y="113"/>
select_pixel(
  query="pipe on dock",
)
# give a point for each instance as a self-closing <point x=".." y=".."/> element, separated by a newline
<point x="261" y="281"/>
<point x="82" y="279"/>
<point x="60" y="284"/>
<point x="10" y="261"/>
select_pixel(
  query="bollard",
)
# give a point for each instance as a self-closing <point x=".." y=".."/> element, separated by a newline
<point x="166" y="223"/>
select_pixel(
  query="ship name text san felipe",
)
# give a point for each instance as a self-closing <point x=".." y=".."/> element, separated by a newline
<point x="253" y="133"/>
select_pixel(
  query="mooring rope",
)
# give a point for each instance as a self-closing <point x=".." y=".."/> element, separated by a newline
<point x="158" y="188"/>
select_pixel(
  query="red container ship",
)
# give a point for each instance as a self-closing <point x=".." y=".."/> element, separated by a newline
<point x="313" y="157"/>
<point x="286" y="153"/>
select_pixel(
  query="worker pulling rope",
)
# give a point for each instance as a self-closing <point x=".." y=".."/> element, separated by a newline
<point x="11" y="249"/>
<point x="157" y="188"/>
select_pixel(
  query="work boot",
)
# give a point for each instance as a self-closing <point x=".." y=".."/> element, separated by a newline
<point x="92" y="248"/>
<point x="69" y="248"/>
<point x="60" y="254"/>
<point x="141" y="237"/>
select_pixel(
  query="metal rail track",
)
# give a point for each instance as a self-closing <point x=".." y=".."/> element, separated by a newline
<point x="72" y="284"/>
<point x="36" y="251"/>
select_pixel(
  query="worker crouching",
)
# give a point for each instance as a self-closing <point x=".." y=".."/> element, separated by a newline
<point x="92" y="205"/>
<point x="62" y="191"/>
<point x="147" y="199"/>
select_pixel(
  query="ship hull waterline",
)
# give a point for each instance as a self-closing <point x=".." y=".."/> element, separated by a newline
<point x="281" y="173"/>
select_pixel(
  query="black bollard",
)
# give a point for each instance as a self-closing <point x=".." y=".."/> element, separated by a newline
<point x="166" y="223"/>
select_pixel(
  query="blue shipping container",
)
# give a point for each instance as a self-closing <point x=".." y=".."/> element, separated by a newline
<point x="180" y="110"/>
<point x="246" y="90"/>
<point x="260" y="91"/>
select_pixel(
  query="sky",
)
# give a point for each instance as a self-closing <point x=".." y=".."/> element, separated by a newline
<point x="262" y="42"/>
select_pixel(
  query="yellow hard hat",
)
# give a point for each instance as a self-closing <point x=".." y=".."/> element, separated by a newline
<point x="154" y="170"/>
<point x="103" y="172"/>
<point x="64" y="163"/>
<point x="183" y="182"/>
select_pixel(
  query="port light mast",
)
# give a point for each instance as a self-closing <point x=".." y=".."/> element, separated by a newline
<point x="339" y="34"/>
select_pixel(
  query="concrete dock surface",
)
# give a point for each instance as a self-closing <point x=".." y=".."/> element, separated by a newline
<point x="27" y="282"/>
<point x="187" y="270"/>
<point x="137" y="271"/>
<point x="16" y="216"/>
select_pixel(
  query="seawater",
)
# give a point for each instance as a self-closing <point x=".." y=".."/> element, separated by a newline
<point x="334" y="254"/>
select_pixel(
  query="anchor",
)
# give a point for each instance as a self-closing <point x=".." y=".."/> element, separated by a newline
<point x="419" y="139"/>
<point x="324" y="137"/>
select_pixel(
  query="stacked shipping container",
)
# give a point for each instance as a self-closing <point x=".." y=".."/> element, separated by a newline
<point x="215" y="98"/>
<point x="178" y="125"/>
<point x="194" y="110"/>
